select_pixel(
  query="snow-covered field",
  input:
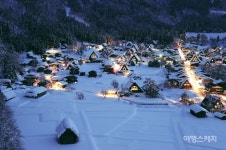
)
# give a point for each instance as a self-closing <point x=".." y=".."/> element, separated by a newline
<point x="112" y="124"/>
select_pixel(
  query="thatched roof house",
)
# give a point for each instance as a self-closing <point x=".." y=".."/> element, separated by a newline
<point x="212" y="103"/>
<point x="67" y="132"/>
<point x="131" y="86"/>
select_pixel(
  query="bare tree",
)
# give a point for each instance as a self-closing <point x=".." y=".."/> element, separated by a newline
<point x="80" y="95"/>
<point x="115" y="84"/>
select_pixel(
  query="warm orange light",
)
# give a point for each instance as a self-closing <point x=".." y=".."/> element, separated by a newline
<point x="57" y="86"/>
<point x="191" y="75"/>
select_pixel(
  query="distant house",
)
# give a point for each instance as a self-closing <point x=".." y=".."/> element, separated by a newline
<point x="224" y="60"/>
<point x="134" y="59"/>
<point x="124" y="68"/>
<point x="169" y="59"/>
<point x="201" y="53"/>
<point x="197" y="111"/>
<point x="186" y="50"/>
<point x="207" y="80"/>
<point x="5" y="82"/>
<point x="219" y="115"/>
<point x="67" y="132"/>
<point x="36" y="92"/>
<point x="195" y="59"/>
<point x="185" y="84"/>
<point x="194" y="65"/>
<point x="212" y="60"/>
<point x="93" y="56"/>
<point x="7" y="94"/>
<point x="182" y="75"/>
<point x="172" y="83"/>
<point x="129" y="45"/>
<point x="30" y="79"/>
<point x="218" y="58"/>
<point x="212" y="88"/>
<point x="212" y="103"/>
<point x="207" y="64"/>
<point x="120" y="59"/>
<point x="71" y="66"/>
<point x="131" y="86"/>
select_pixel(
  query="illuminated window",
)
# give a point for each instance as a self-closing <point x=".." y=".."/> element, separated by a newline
<point x="94" y="55"/>
<point x="186" y="84"/>
<point x="124" y="68"/>
<point x="134" y="88"/>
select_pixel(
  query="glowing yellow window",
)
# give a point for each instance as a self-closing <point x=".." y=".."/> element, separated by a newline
<point x="134" y="88"/>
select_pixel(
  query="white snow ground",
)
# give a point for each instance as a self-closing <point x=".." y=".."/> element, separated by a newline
<point x="112" y="124"/>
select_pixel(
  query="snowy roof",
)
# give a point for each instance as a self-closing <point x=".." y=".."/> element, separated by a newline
<point x="218" y="114"/>
<point x="8" y="93"/>
<point x="56" y="78"/>
<point x="212" y="98"/>
<point x="196" y="108"/>
<point x="108" y="62"/>
<point x="35" y="90"/>
<point x="62" y="82"/>
<point x="89" y="51"/>
<point x="5" y="80"/>
<point x="66" y="123"/>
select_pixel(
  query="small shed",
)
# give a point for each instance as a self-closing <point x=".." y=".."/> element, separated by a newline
<point x="36" y="92"/>
<point x="220" y="115"/>
<point x="198" y="111"/>
<point x="7" y="94"/>
<point x="67" y="132"/>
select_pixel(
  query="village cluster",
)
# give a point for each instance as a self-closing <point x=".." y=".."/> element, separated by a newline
<point x="185" y="66"/>
<point x="59" y="67"/>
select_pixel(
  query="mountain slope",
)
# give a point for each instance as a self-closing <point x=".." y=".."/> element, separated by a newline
<point x="37" y="24"/>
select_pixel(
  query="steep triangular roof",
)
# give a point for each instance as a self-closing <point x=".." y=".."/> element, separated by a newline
<point x="65" y="124"/>
<point x="128" y="86"/>
<point x="124" y="67"/>
<point x="195" y="58"/>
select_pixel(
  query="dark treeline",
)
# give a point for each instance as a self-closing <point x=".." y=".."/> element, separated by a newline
<point x="39" y="24"/>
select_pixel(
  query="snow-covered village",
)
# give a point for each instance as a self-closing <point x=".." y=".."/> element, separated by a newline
<point x="129" y="95"/>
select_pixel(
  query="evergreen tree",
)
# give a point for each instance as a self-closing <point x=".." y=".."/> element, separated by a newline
<point x="150" y="88"/>
<point x="9" y="63"/>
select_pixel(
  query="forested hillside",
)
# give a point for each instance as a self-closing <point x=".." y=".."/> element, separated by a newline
<point x="37" y="24"/>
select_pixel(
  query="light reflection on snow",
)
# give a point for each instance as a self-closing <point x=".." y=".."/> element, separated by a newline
<point x="191" y="75"/>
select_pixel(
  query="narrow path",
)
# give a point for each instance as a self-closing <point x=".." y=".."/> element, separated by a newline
<point x="122" y="123"/>
<point x="89" y="131"/>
